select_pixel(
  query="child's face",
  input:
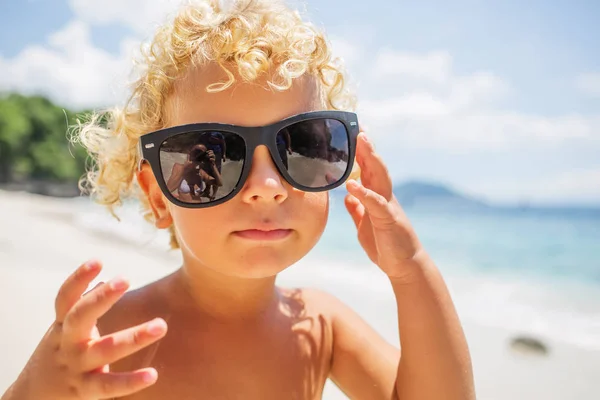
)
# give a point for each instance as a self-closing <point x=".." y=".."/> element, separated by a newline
<point x="212" y="236"/>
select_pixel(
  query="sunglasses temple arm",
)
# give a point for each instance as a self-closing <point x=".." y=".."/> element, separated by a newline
<point x="140" y="156"/>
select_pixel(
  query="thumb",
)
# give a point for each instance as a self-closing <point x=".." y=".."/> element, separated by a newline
<point x="355" y="209"/>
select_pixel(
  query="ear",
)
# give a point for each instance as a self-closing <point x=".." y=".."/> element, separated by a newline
<point x="158" y="202"/>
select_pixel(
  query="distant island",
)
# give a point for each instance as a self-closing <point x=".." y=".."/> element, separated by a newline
<point x="420" y="194"/>
<point x="417" y="194"/>
<point x="427" y="196"/>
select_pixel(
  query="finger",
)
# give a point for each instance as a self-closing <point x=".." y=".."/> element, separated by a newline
<point x="118" y="345"/>
<point x="96" y="286"/>
<point x="375" y="204"/>
<point x="355" y="209"/>
<point x="74" y="286"/>
<point x="83" y="316"/>
<point x="107" y="385"/>
<point x="394" y="237"/>
<point x="363" y="224"/>
<point x="374" y="174"/>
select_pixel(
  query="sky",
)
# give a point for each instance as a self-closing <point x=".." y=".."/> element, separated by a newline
<point x="499" y="99"/>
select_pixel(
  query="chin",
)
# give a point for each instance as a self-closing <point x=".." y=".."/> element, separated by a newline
<point x="257" y="262"/>
<point x="262" y="263"/>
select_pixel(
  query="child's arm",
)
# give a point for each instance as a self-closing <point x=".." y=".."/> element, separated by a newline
<point x="71" y="361"/>
<point x="435" y="361"/>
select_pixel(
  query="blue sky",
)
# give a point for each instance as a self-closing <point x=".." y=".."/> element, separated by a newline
<point x="500" y="99"/>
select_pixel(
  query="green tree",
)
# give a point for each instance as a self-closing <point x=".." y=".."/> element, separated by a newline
<point x="33" y="141"/>
<point x="15" y="129"/>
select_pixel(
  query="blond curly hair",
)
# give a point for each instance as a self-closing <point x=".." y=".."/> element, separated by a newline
<point x="249" y="37"/>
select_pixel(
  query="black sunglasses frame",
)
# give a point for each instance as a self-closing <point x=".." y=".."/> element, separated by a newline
<point x="150" y="144"/>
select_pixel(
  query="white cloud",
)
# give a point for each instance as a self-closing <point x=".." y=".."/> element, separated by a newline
<point x="413" y="106"/>
<point x="476" y="90"/>
<point x="434" y="66"/>
<point x="139" y="15"/>
<point x="456" y="113"/>
<point x="589" y="84"/>
<point x="423" y="125"/>
<point x="349" y="52"/>
<point x="70" y="69"/>
<point x="582" y="184"/>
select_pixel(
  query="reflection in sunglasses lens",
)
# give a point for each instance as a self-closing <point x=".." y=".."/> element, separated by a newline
<point x="315" y="152"/>
<point x="200" y="167"/>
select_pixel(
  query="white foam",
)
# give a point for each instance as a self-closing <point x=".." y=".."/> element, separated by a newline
<point x="569" y="315"/>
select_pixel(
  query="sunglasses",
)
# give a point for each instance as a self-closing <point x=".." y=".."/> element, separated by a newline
<point x="205" y="164"/>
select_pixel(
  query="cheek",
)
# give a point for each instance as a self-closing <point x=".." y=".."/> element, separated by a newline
<point x="194" y="225"/>
<point x="316" y="209"/>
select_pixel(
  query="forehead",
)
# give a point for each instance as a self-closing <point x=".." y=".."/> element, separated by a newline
<point x="245" y="104"/>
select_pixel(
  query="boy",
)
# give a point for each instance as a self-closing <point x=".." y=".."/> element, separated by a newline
<point x="232" y="333"/>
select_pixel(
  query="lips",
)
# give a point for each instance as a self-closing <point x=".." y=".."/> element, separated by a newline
<point x="263" y="234"/>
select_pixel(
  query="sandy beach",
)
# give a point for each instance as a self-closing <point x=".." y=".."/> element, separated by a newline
<point x="42" y="241"/>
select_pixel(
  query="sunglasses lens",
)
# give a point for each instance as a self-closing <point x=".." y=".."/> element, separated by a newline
<point x="200" y="167"/>
<point x="315" y="152"/>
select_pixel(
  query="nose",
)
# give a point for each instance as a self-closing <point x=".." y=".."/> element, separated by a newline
<point x="264" y="183"/>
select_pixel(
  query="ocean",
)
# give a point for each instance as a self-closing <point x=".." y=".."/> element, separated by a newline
<point x="534" y="271"/>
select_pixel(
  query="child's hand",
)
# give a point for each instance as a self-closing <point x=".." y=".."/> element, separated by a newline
<point x="383" y="229"/>
<point x="71" y="361"/>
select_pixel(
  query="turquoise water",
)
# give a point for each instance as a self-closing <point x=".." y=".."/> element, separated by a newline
<point x="535" y="271"/>
<point x="534" y="243"/>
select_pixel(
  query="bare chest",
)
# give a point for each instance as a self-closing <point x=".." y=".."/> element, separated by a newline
<point x="290" y="362"/>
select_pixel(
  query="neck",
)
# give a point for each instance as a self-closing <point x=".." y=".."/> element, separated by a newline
<point x="226" y="297"/>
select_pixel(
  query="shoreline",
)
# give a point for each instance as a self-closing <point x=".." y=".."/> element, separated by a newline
<point x="45" y="242"/>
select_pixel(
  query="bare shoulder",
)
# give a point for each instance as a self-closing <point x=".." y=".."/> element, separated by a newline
<point x="348" y="325"/>
<point x="363" y="364"/>
<point x="323" y="306"/>
<point x="306" y="301"/>
<point x="135" y="307"/>
<point x="325" y="303"/>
